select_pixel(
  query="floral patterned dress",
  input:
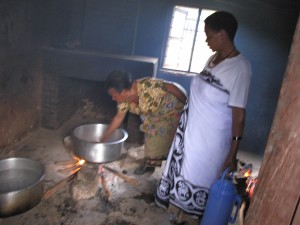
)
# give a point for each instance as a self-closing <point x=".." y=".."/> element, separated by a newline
<point x="160" y="112"/>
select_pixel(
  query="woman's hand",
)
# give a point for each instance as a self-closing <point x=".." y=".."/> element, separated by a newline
<point x="230" y="162"/>
<point x="103" y="138"/>
<point x="115" y="123"/>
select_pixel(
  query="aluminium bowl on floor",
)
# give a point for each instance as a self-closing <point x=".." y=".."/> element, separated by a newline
<point x="21" y="185"/>
<point x="86" y="145"/>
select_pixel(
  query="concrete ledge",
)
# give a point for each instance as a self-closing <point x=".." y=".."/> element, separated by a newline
<point x="94" y="65"/>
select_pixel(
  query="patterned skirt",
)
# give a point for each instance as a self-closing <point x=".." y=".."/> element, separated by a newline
<point x="160" y="127"/>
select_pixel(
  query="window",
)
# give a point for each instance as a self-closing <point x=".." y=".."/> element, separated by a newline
<point x="186" y="49"/>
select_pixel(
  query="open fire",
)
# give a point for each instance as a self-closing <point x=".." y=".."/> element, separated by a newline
<point x="90" y="176"/>
<point x="251" y="183"/>
<point x="245" y="183"/>
<point x="245" y="186"/>
<point x="70" y="169"/>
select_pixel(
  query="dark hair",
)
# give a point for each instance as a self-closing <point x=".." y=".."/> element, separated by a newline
<point x="222" y="20"/>
<point x="118" y="80"/>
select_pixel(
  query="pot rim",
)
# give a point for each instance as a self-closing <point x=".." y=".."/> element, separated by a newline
<point x="125" y="133"/>
<point x="29" y="186"/>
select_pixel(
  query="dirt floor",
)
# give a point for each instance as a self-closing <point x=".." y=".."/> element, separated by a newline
<point x="86" y="201"/>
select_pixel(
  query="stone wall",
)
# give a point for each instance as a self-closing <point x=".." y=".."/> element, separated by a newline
<point x="60" y="99"/>
<point x="20" y="73"/>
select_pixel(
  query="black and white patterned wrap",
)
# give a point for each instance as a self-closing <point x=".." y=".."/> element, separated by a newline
<point x="173" y="188"/>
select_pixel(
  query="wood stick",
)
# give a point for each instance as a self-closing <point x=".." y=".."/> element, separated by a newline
<point x="129" y="180"/>
<point x="62" y="163"/>
<point x="58" y="186"/>
<point x="69" y="169"/>
<point x="104" y="186"/>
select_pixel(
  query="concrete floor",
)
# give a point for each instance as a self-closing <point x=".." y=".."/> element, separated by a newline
<point x="128" y="204"/>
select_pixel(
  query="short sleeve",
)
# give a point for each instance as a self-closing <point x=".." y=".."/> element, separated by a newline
<point x="240" y="87"/>
<point x="123" y="107"/>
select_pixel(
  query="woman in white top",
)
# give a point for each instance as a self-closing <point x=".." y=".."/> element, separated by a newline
<point x="211" y="126"/>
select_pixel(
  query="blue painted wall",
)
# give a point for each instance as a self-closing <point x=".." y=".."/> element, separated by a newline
<point x="139" y="27"/>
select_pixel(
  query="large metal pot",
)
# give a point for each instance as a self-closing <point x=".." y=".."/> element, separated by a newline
<point x="21" y="185"/>
<point x="86" y="145"/>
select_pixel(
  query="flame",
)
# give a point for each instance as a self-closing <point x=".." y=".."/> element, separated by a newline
<point x="81" y="162"/>
<point x="70" y="167"/>
<point x="251" y="183"/>
<point x="248" y="173"/>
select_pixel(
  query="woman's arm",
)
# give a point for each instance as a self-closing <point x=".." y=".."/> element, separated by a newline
<point x="238" y="122"/>
<point x="180" y="94"/>
<point x="115" y="123"/>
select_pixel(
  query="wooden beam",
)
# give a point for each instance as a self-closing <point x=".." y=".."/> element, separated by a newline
<point x="277" y="192"/>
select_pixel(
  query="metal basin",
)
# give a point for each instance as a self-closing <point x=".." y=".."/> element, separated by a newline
<point x="21" y="185"/>
<point x="86" y="145"/>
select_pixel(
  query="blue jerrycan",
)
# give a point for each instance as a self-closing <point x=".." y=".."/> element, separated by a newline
<point x="221" y="200"/>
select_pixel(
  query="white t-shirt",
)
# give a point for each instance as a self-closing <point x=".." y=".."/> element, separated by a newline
<point x="234" y="75"/>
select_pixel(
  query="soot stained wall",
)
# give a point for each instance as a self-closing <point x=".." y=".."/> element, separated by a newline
<point x="20" y="81"/>
<point x="25" y="27"/>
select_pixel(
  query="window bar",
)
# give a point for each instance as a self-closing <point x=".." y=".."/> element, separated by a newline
<point x="167" y="42"/>
<point x="194" y="41"/>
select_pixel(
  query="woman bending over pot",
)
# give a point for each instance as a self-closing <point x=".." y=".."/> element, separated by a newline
<point x="159" y="104"/>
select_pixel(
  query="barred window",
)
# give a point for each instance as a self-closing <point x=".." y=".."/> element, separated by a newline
<point x="186" y="49"/>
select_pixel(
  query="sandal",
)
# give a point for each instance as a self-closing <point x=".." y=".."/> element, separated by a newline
<point x="155" y="162"/>
<point x="173" y="220"/>
<point x="144" y="169"/>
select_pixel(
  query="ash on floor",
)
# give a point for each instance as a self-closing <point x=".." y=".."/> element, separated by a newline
<point x="121" y="202"/>
<point x="130" y="202"/>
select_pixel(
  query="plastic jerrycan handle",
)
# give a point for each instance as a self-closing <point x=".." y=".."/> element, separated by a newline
<point x="237" y="201"/>
<point x="225" y="173"/>
<point x="223" y="178"/>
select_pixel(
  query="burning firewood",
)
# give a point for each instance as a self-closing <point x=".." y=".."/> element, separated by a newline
<point x="69" y="167"/>
<point x="245" y="185"/>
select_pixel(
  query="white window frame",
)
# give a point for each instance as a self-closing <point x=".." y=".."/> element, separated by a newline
<point x="186" y="50"/>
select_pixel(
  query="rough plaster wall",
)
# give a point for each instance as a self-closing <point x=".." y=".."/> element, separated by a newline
<point x="20" y="81"/>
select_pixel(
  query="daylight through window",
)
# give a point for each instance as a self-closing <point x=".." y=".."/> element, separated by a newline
<point x="186" y="49"/>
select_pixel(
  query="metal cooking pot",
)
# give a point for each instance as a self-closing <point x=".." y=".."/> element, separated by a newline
<point x="86" y="145"/>
<point x="21" y="185"/>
